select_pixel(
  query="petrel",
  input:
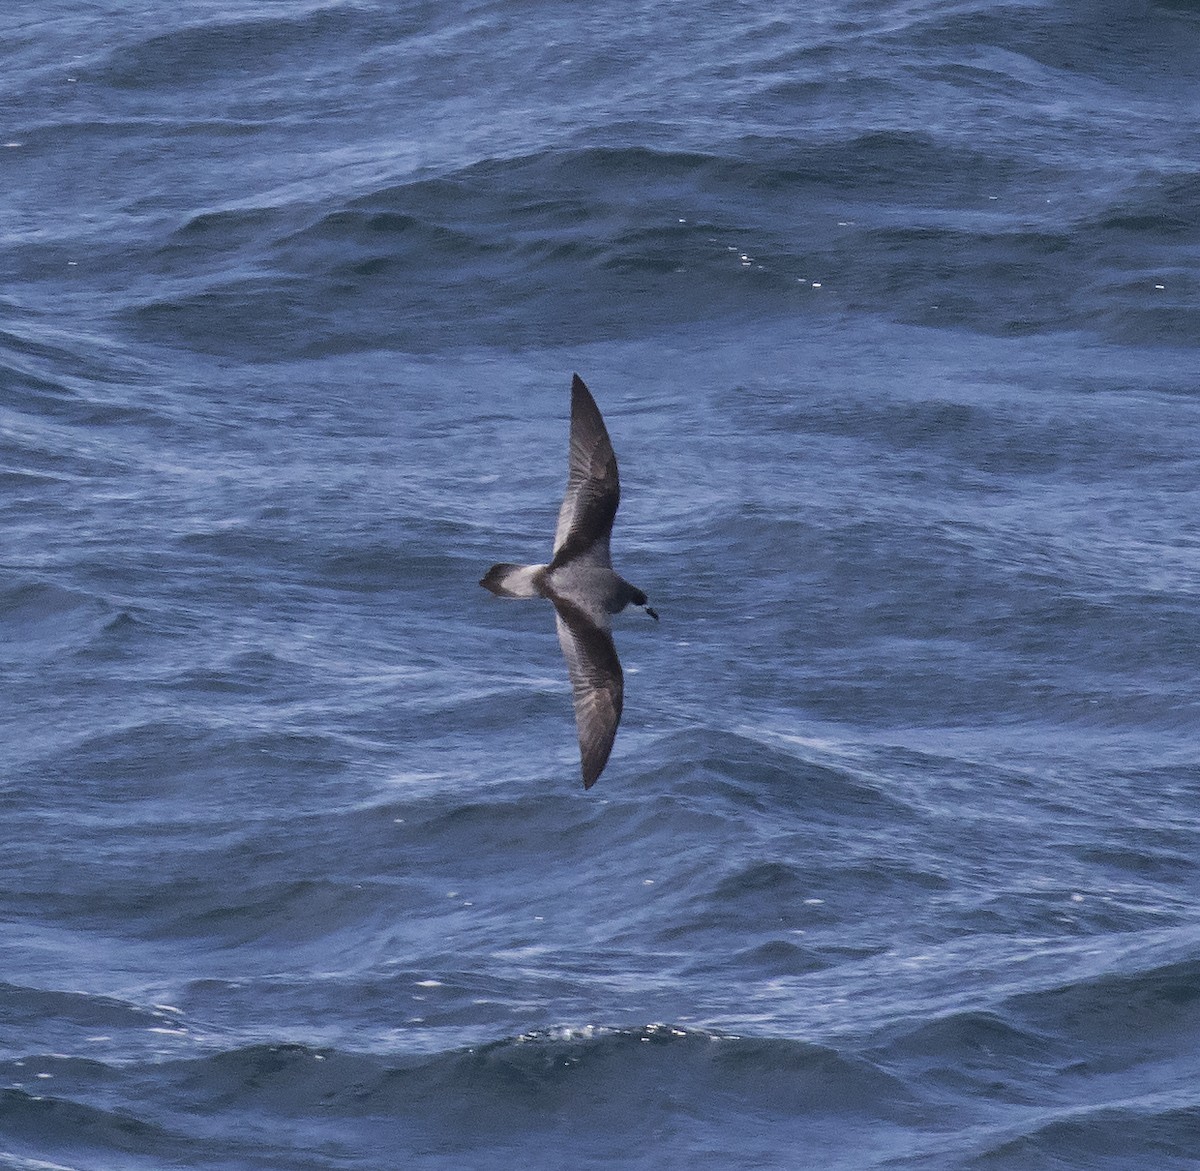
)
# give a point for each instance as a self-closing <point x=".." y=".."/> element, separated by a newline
<point x="580" y="581"/>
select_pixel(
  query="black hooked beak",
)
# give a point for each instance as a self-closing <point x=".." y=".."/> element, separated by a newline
<point x="652" y="613"/>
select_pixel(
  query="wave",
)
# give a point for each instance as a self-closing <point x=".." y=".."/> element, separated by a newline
<point x="30" y="606"/>
<point x="52" y="1123"/>
<point x="1094" y="1137"/>
<point x="34" y="1008"/>
<point x="1121" y="1014"/>
<point x="641" y="1095"/>
<point x="570" y="1068"/>
<point x="228" y="51"/>
<point x="563" y="242"/>
<point x="41" y="621"/>
<point x="749" y="774"/>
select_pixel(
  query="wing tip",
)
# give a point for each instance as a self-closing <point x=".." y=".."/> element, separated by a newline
<point x="581" y="395"/>
<point x="587" y="422"/>
<point x="593" y="765"/>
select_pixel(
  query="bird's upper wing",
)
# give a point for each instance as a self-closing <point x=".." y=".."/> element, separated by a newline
<point x="597" y="683"/>
<point x="593" y="488"/>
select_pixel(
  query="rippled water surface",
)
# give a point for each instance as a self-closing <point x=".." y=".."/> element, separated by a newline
<point x="892" y="309"/>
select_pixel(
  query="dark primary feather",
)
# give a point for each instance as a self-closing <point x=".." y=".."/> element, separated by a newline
<point x="593" y="492"/>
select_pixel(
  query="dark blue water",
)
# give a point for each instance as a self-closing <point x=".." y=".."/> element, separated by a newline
<point x="893" y="308"/>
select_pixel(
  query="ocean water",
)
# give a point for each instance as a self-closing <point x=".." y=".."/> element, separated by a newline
<point x="893" y="309"/>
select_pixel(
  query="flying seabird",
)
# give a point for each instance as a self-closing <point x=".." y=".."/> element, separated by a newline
<point x="580" y="581"/>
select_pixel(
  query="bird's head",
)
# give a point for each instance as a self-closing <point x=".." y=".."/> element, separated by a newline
<point x="638" y="598"/>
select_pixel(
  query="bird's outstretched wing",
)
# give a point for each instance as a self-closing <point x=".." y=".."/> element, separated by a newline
<point x="593" y="489"/>
<point x="597" y="683"/>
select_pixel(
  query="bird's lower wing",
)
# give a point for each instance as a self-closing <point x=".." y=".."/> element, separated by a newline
<point x="597" y="683"/>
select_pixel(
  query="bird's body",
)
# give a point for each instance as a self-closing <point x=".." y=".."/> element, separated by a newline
<point x="579" y="580"/>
